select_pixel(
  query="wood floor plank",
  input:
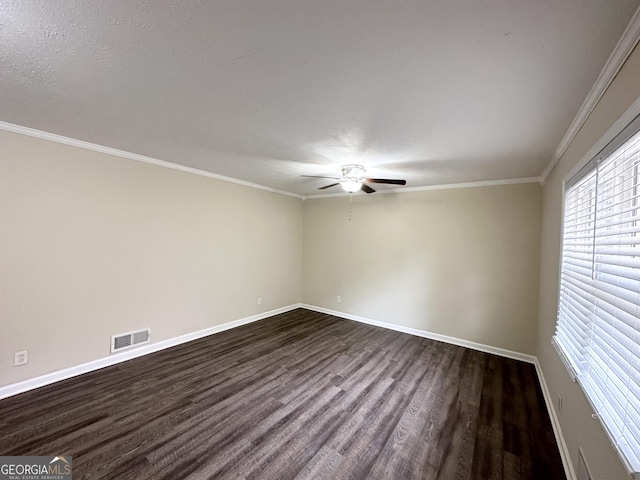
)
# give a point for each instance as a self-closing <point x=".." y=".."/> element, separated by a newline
<point x="361" y="451"/>
<point x="402" y="453"/>
<point x="458" y="450"/>
<point x="322" y="466"/>
<point x="488" y="455"/>
<point x="302" y="395"/>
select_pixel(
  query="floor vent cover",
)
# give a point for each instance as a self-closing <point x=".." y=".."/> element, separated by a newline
<point x="130" y="339"/>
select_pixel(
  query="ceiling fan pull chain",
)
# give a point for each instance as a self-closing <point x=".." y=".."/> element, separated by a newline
<point x="350" y="205"/>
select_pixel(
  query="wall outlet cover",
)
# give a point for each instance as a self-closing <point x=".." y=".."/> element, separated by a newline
<point x="21" y="358"/>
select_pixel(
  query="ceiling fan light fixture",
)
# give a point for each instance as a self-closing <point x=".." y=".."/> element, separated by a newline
<point x="353" y="179"/>
<point x="351" y="185"/>
<point x="352" y="171"/>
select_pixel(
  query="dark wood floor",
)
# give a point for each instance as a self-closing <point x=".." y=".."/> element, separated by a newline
<point x="301" y="395"/>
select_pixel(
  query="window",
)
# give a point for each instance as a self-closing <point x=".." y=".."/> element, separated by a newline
<point x="598" y="328"/>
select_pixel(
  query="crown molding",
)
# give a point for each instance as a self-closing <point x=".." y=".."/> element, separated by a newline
<point x="625" y="119"/>
<point x="448" y="186"/>
<point x="52" y="137"/>
<point x="625" y="46"/>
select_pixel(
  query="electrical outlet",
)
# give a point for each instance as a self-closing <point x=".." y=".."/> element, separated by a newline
<point x="21" y="358"/>
<point x="259" y="300"/>
<point x="339" y="299"/>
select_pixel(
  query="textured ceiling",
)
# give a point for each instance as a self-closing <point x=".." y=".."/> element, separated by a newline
<point x="437" y="92"/>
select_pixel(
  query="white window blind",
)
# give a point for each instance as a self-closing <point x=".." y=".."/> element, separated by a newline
<point x="598" y="328"/>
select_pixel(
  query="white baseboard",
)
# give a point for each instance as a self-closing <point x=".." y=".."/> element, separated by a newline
<point x="503" y="352"/>
<point x="555" y="422"/>
<point x="42" y="380"/>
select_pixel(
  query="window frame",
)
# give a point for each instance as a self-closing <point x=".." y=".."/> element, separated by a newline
<point x="577" y="175"/>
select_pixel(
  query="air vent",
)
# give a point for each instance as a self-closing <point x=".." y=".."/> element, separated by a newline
<point x="130" y="339"/>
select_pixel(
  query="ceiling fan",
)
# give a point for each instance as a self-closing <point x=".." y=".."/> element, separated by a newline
<point x="353" y="179"/>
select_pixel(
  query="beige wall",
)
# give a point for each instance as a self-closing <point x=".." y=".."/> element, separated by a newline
<point x="92" y="245"/>
<point x="462" y="262"/>
<point x="579" y="429"/>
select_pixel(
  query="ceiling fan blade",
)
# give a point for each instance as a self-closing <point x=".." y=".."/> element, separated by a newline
<point x="385" y="180"/>
<point x="320" y="176"/>
<point x="329" y="186"/>
<point x="367" y="189"/>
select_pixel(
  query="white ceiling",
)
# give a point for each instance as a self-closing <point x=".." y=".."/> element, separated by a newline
<point x="436" y="92"/>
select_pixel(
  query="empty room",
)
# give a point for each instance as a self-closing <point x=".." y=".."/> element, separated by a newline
<point x="320" y="240"/>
